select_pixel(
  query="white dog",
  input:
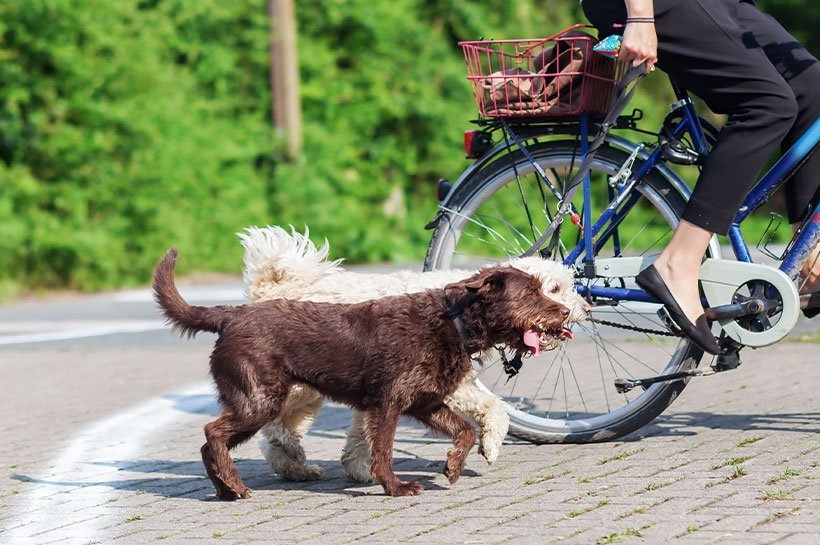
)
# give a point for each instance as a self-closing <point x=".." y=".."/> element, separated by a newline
<point x="282" y="265"/>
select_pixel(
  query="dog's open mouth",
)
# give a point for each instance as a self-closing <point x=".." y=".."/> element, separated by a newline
<point x="540" y="337"/>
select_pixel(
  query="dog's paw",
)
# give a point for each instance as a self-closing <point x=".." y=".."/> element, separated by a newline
<point x="233" y="492"/>
<point x="301" y="473"/>
<point x="404" y="488"/>
<point x="489" y="449"/>
<point x="456" y="460"/>
<point x="451" y="474"/>
<point x="358" y="473"/>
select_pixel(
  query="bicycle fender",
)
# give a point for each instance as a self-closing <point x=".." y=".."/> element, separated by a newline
<point x="488" y="157"/>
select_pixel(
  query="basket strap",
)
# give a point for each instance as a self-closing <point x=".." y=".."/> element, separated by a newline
<point x="623" y="94"/>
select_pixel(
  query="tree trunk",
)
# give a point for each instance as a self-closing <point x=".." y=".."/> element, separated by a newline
<point x="287" y="115"/>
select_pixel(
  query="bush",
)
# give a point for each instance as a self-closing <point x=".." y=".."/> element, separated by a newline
<point x="129" y="126"/>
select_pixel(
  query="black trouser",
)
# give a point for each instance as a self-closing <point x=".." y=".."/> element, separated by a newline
<point x="741" y="62"/>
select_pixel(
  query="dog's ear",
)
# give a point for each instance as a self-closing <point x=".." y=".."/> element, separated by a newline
<point x="486" y="282"/>
<point x="473" y="286"/>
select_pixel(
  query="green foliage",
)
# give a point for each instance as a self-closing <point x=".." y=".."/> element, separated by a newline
<point x="129" y="126"/>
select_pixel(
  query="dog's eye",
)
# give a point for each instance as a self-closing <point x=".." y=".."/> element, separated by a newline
<point x="554" y="289"/>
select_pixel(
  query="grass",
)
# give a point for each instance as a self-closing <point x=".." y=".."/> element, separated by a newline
<point x="810" y="337"/>
<point x="579" y="512"/>
<point x="775" y="516"/>
<point x="692" y="528"/>
<point x="134" y="518"/>
<point x="750" y="440"/>
<point x="535" y="479"/>
<point x="623" y="535"/>
<point x="783" y="476"/>
<point x="621" y="456"/>
<point x="657" y="486"/>
<point x="769" y="495"/>
<point x="733" y="461"/>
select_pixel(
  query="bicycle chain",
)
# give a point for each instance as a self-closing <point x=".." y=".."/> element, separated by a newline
<point x="631" y="327"/>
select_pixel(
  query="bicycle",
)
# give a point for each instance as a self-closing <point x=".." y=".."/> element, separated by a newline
<point x="513" y="201"/>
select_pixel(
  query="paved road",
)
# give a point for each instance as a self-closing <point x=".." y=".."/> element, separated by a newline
<point x="103" y="410"/>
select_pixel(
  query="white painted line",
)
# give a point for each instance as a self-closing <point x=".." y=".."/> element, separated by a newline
<point x="192" y="295"/>
<point x="59" y="331"/>
<point x="87" y="473"/>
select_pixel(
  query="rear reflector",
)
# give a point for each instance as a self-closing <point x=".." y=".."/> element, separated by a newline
<point x="476" y="143"/>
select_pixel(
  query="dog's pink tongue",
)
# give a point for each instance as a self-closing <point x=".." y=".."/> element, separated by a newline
<point x="533" y="339"/>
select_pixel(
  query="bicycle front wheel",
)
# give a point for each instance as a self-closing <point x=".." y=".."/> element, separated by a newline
<point x="568" y="395"/>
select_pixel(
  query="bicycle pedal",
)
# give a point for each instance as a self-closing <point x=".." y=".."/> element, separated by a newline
<point x="726" y="362"/>
<point x="668" y="322"/>
<point x="730" y="357"/>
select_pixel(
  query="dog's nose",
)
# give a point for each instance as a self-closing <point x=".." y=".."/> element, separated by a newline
<point x="564" y="311"/>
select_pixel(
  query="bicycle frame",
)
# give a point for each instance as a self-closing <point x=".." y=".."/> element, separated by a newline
<point x="599" y="233"/>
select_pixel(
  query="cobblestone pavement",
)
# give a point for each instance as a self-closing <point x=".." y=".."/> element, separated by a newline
<point x="101" y="445"/>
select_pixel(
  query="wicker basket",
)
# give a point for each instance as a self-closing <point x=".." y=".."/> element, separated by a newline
<point x="557" y="76"/>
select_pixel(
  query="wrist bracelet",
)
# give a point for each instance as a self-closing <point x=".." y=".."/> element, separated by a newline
<point x="640" y="20"/>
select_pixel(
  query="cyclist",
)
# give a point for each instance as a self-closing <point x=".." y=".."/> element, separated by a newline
<point x="742" y="63"/>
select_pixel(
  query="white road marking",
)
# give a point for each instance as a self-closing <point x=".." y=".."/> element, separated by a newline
<point x="72" y="499"/>
<point x="192" y="295"/>
<point x="58" y="331"/>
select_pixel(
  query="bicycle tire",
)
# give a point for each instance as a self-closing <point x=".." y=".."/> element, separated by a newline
<point x="660" y="193"/>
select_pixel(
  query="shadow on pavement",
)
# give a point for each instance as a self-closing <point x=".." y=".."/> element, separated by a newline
<point x="677" y="424"/>
<point x="187" y="480"/>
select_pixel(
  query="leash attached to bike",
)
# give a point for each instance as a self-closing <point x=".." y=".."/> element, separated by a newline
<point x="623" y="95"/>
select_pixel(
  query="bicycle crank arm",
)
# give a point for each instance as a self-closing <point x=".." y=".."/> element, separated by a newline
<point x="736" y="310"/>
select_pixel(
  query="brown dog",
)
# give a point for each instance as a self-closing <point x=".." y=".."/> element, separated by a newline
<point x="388" y="357"/>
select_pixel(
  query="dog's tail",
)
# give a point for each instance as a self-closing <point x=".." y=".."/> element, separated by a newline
<point x="277" y="261"/>
<point x="187" y="319"/>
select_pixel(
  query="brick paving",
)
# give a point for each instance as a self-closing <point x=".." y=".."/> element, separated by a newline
<point x="101" y="445"/>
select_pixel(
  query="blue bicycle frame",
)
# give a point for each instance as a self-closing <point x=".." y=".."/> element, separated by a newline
<point x="597" y="235"/>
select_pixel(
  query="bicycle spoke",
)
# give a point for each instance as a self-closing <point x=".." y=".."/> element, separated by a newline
<point x="641" y="230"/>
<point x="480" y="224"/>
<point x="609" y="358"/>
<point x="578" y="387"/>
<point x="624" y="352"/>
<point x="603" y="382"/>
<point x="555" y="386"/>
<point x="538" y="390"/>
<point x="510" y="227"/>
<point x="526" y="207"/>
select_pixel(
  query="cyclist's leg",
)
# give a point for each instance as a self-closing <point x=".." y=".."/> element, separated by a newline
<point x="700" y="44"/>
<point x="802" y="73"/>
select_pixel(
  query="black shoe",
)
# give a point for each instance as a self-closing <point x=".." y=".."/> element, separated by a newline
<point x="814" y="309"/>
<point x="651" y="282"/>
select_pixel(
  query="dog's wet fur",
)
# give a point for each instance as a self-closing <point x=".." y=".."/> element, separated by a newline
<point x="390" y="356"/>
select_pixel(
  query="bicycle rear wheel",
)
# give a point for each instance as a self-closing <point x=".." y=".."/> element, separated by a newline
<point x="568" y="395"/>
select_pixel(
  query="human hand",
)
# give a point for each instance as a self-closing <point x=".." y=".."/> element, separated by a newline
<point x="640" y="44"/>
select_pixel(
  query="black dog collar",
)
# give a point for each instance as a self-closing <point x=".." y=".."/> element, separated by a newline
<point x="453" y="313"/>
